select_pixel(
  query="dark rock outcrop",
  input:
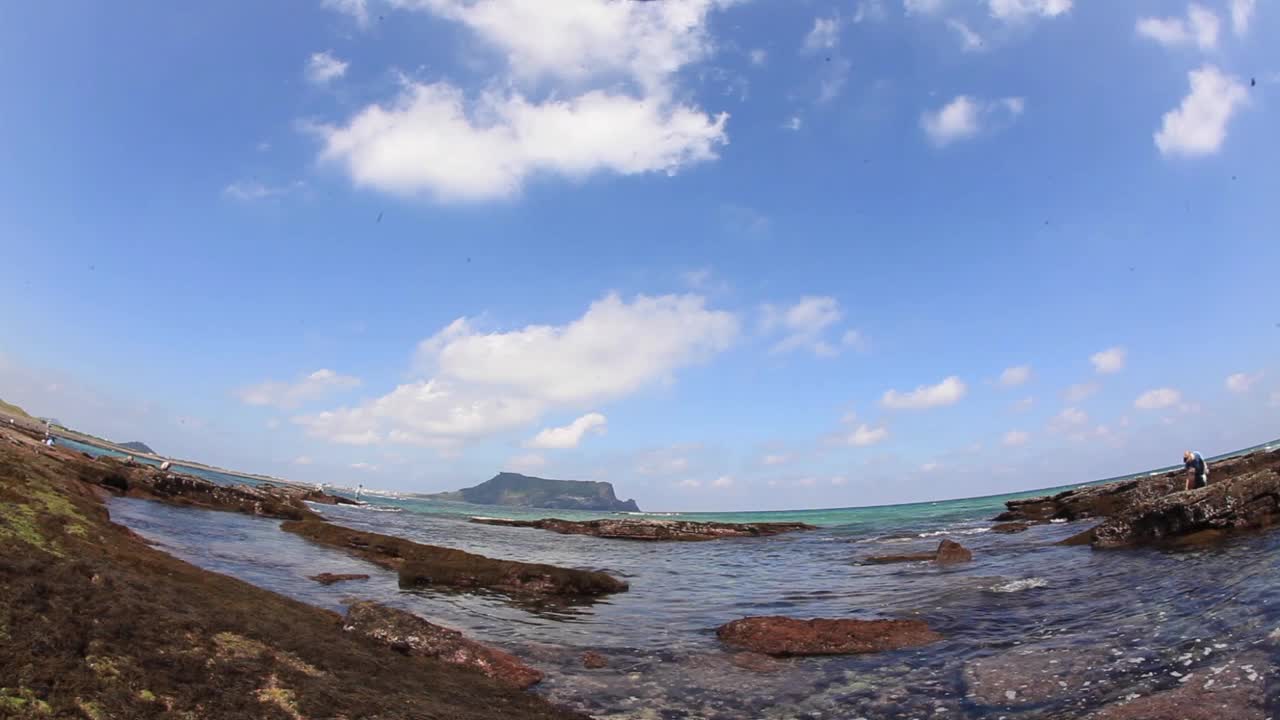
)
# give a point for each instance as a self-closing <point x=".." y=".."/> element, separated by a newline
<point x="784" y="636"/>
<point x="948" y="552"/>
<point x="331" y="578"/>
<point x="410" y="634"/>
<point x="592" y="660"/>
<point x="514" y="489"/>
<point x="640" y="529"/>
<point x="148" y="482"/>
<point x="429" y="565"/>
<point x="1009" y="528"/>
<point x="1243" y="494"/>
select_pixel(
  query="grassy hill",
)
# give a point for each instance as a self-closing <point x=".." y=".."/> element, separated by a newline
<point x="13" y="410"/>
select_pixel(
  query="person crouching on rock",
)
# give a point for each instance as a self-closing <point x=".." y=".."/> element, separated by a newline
<point x="1197" y="470"/>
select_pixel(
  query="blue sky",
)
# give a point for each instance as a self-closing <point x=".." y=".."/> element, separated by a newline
<point x="727" y="255"/>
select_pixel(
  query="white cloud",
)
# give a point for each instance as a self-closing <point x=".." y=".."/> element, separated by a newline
<point x="929" y="467"/>
<point x="1013" y="438"/>
<point x="824" y="35"/>
<point x="302" y="460"/>
<point x="485" y="383"/>
<point x="758" y="57"/>
<point x="357" y="9"/>
<point x="1080" y="391"/>
<point x="1023" y="405"/>
<point x="526" y="463"/>
<point x="922" y="7"/>
<point x="1200" y="27"/>
<point x="865" y="436"/>
<point x="323" y="67"/>
<point x="1018" y="10"/>
<point x="793" y="123"/>
<point x="965" y="117"/>
<point x="1241" y="382"/>
<point x="1015" y="376"/>
<point x="570" y="435"/>
<point x="1241" y="15"/>
<point x="249" y="190"/>
<point x="590" y="87"/>
<point x="1109" y="361"/>
<point x="870" y="10"/>
<point x="776" y="459"/>
<point x="724" y="481"/>
<point x="364" y="467"/>
<point x="288" y="395"/>
<point x="1069" y="420"/>
<point x="970" y="40"/>
<point x="839" y="480"/>
<point x="947" y="392"/>
<point x="690" y="483"/>
<point x="1158" y="399"/>
<point x="804" y="326"/>
<point x="669" y="461"/>
<point x="1199" y="125"/>
<point x="833" y="78"/>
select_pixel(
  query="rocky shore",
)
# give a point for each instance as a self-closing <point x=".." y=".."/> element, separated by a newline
<point x="1243" y="494"/>
<point x="652" y="530"/>
<point x="97" y="624"/>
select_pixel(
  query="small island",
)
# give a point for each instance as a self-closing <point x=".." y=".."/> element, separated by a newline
<point x="516" y="490"/>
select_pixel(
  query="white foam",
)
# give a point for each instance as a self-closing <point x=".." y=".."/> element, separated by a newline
<point x="966" y="531"/>
<point x="1020" y="585"/>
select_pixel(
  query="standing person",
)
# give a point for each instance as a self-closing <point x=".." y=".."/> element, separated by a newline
<point x="359" y="490"/>
<point x="1197" y="470"/>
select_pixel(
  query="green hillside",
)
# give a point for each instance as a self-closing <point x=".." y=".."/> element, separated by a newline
<point x="13" y="410"/>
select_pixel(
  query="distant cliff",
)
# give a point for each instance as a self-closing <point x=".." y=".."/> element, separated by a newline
<point x="518" y="490"/>
<point x="138" y="447"/>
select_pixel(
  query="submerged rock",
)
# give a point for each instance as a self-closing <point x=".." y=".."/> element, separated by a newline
<point x="784" y="636"/>
<point x="429" y="565"/>
<point x="331" y="578"/>
<point x="1010" y="527"/>
<point x="644" y="529"/>
<point x="412" y="635"/>
<point x="1235" y="690"/>
<point x="1029" y="675"/>
<point x="948" y="552"/>
<point x="592" y="660"/>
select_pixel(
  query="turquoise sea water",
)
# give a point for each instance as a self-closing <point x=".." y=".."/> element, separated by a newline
<point x="1111" y="625"/>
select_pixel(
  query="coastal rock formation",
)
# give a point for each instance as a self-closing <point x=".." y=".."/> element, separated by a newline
<point x="1234" y="690"/>
<point x="641" y="529"/>
<point x="428" y="565"/>
<point x="948" y="552"/>
<point x="514" y="489"/>
<point x="331" y="578"/>
<point x="1009" y="528"/>
<point x="592" y="660"/>
<point x="784" y="636"/>
<point x="1030" y="675"/>
<point x="411" y="635"/>
<point x="1244" y="493"/>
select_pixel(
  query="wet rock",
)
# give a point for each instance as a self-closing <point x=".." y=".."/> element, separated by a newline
<point x="1246" y="501"/>
<point x="592" y="660"/>
<point x="1115" y="498"/>
<point x="410" y="634"/>
<point x="755" y="662"/>
<point x="1234" y="690"/>
<point x="331" y="578"/>
<point x="783" y="636"/>
<point x="950" y="552"/>
<point x="653" y="530"/>
<point x="150" y="483"/>
<point x="1029" y="675"/>
<point x="1009" y="528"/>
<point x="429" y="565"/>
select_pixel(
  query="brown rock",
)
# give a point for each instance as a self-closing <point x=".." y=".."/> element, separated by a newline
<point x="412" y="635"/>
<point x="331" y="578"/>
<point x="420" y="565"/>
<point x="593" y="660"/>
<point x="652" y="530"/>
<point x="755" y="662"/>
<point x="891" y="559"/>
<point x="1234" y="691"/>
<point x="1010" y="527"/>
<point x="952" y="552"/>
<point x="783" y="636"/>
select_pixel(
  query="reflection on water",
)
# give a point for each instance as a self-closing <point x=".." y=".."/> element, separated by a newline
<point x="1121" y="622"/>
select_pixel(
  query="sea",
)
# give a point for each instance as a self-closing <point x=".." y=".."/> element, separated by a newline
<point x="1030" y="629"/>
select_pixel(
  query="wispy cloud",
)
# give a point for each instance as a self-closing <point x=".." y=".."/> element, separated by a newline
<point x="965" y="117"/>
<point x="948" y="392"/>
